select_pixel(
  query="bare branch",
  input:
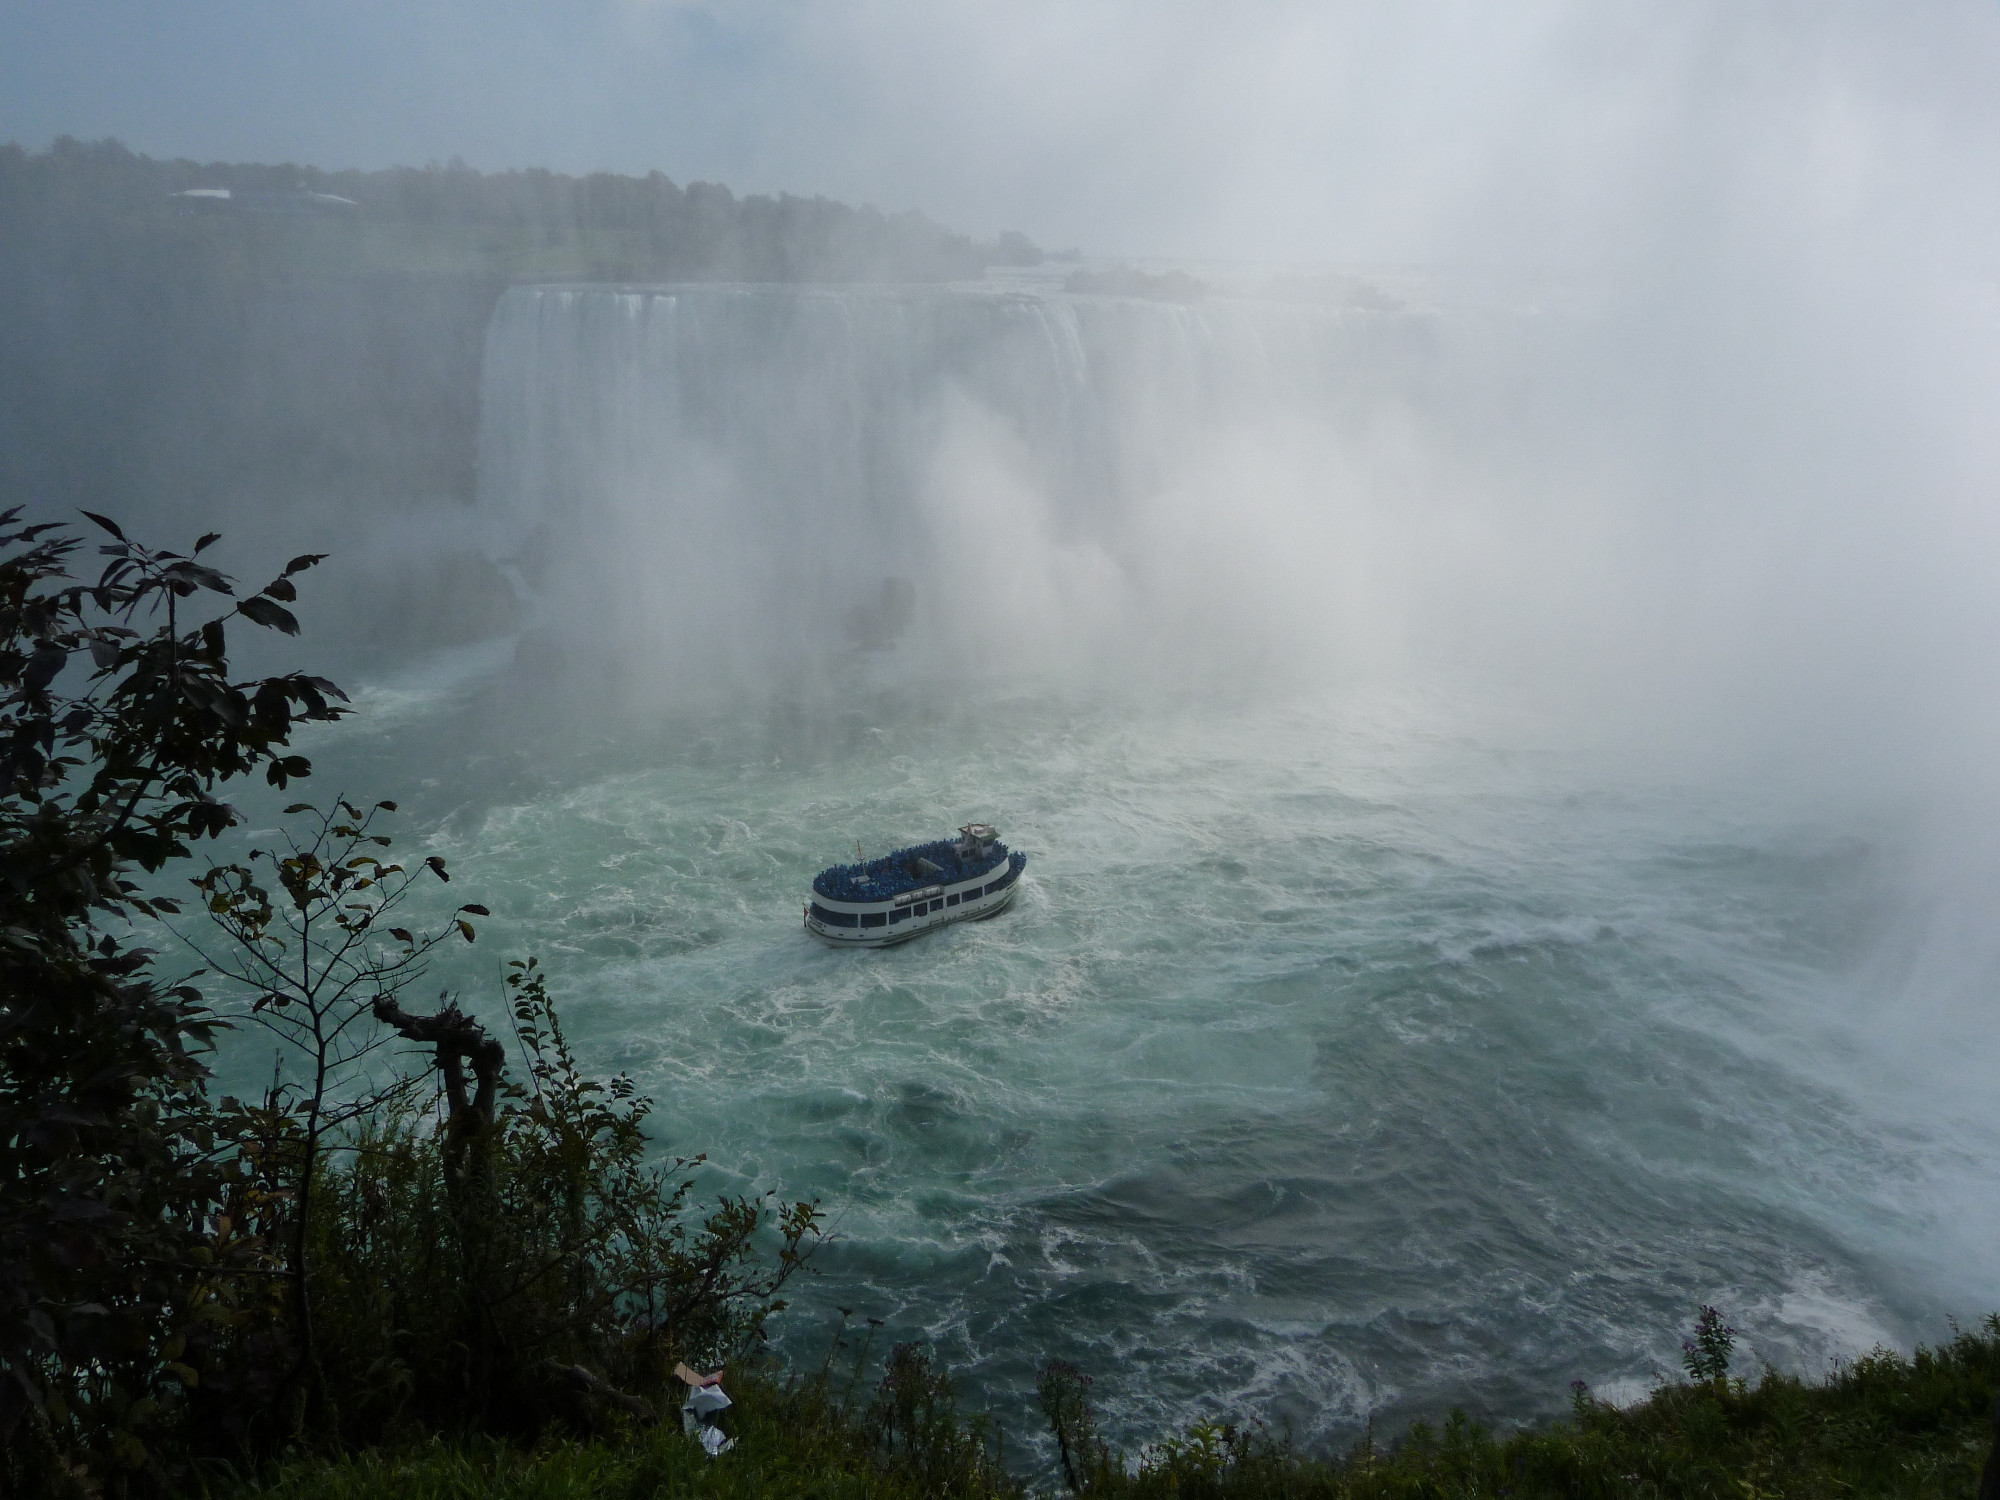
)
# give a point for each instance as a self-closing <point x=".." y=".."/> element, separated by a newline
<point x="456" y="1036"/>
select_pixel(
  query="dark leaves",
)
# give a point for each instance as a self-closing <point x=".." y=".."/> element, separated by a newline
<point x="273" y="709"/>
<point x="210" y="818"/>
<point x="215" y="699"/>
<point x="184" y="577"/>
<point x="112" y="1162"/>
<point x="477" y="911"/>
<point x="269" y="613"/>
<point x="48" y="659"/>
<point x="301" y="563"/>
<point x="285" y="768"/>
<point x="437" y="867"/>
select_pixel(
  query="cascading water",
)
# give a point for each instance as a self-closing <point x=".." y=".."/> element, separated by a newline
<point x="1345" y="1055"/>
<point x="729" y="475"/>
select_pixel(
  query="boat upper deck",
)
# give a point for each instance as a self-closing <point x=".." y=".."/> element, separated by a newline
<point x="911" y="869"/>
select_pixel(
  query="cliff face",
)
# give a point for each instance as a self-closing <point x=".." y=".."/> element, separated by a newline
<point x="161" y="379"/>
<point x="186" y="397"/>
<point x="174" y="332"/>
<point x="293" y="356"/>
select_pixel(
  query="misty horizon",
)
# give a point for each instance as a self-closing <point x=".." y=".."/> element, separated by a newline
<point x="1552" y="133"/>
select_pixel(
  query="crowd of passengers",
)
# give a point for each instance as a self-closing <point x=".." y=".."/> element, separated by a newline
<point x="899" y="872"/>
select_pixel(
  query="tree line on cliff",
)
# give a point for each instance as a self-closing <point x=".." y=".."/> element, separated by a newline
<point x="532" y="221"/>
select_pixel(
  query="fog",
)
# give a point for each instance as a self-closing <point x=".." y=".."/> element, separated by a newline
<point x="1721" y="456"/>
<point x="1708" y="295"/>
<point x="1708" y="524"/>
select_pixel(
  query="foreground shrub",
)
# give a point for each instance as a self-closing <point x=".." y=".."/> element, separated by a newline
<point x="119" y="724"/>
<point x="187" y="1282"/>
<point x="800" y="1437"/>
<point x="1886" y="1426"/>
<point x="504" y="1275"/>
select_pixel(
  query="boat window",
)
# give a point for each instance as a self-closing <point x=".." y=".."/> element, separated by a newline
<point x="874" y="918"/>
<point x="952" y="899"/>
<point x="899" y="916"/>
<point x="834" y="918"/>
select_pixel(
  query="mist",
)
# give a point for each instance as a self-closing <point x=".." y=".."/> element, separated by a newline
<point x="1712" y="290"/>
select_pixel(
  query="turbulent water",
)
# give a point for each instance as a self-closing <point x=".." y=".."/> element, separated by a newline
<point x="1327" y="1067"/>
<point x="1345" y="1056"/>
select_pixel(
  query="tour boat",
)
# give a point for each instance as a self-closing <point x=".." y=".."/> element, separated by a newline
<point x="892" y="899"/>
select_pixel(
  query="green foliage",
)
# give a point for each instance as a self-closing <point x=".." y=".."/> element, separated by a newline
<point x="1887" y="1426"/>
<point x="118" y="770"/>
<point x="792" y="1439"/>
<point x="461" y="1293"/>
<point x="1706" y="1355"/>
<point x="1087" y="1460"/>
<point x="310" y="962"/>
<point x="1884" y="1426"/>
<point x="161" y="1255"/>
<point x="118" y="723"/>
<point x="921" y="1436"/>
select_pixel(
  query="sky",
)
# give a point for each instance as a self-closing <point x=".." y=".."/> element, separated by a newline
<point x="1555" y="133"/>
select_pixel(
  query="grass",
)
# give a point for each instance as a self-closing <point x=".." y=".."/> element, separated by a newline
<point x="789" y="1441"/>
<point x="1888" y="1425"/>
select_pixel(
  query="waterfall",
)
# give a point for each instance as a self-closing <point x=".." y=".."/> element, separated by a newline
<point x="732" y="481"/>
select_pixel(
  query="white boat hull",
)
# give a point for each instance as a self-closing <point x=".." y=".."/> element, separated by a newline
<point x="967" y="901"/>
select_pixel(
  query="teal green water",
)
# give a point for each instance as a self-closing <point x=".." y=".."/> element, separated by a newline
<point x="1329" y="1066"/>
